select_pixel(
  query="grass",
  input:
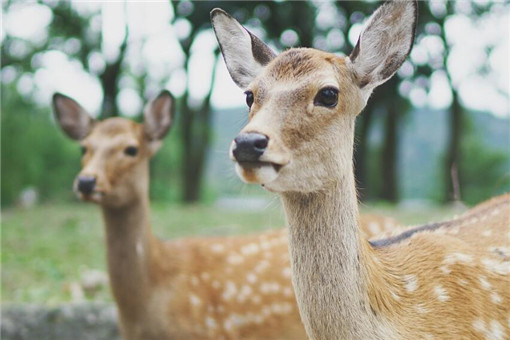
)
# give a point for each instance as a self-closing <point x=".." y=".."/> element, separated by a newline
<point x="48" y="247"/>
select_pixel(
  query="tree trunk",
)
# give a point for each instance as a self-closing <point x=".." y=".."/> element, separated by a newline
<point x="196" y="135"/>
<point x="452" y="172"/>
<point x="110" y="82"/>
<point x="389" y="188"/>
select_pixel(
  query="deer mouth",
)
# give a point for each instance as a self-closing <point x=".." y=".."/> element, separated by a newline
<point x="258" y="172"/>
<point x="95" y="196"/>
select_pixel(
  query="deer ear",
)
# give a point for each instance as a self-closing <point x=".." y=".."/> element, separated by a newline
<point x="384" y="43"/>
<point x="158" y="116"/>
<point x="245" y="55"/>
<point x="72" y="118"/>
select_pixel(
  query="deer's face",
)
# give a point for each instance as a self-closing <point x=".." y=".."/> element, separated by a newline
<point x="303" y="102"/>
<point x="116" y="151"/>
<point x="298" y="105"/>
<point x="115" y="159"/>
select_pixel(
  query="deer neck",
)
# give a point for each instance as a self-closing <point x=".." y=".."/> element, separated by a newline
<point x="329" y="261"/>
<point x="132" y="253"/>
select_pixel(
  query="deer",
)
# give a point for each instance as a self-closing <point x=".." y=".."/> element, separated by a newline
<point x="190" y="288"/>
<point x="445" y="280"/>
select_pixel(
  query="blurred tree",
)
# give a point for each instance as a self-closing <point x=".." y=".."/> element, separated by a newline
<point x="434" y="18"/>
<point x="70" y="32"/>
<point x="282" y="23"/>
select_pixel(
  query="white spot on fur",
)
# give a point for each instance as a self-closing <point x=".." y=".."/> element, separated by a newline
<point x="420" y="308"/>
<point x="388" y="224"/>
<point x="374" y="228"/>
<point x="496" y="298"/>
<point x="227" y="325"/>
<point x="195" y="300"/>
<point x="250" y="249"/>
<point x="499" y="267"/>
<point x="244" y="293"/>
<point x="269" y="287"/>
<point x="479" y="325"/>
<point x="496" y="331"/>
<point x="229" y="291"/>
<point x="287" y="291"/>
<point x="395" y="296"/>
<point x="487" y="233"/>
<point x="286" y="272"/>
<point x="411" y="283"/>
<point x="252" y="278"/>
<point x="484" y="283"/>
<point x="217" y="248"/>
<point x="446" y="269"/>
<point x="441" y="293"/>
<point x="210" y="323"/>
<point x="235" y="259"/>
<point x="463" y="282"/>
<point x="458" y="257"/>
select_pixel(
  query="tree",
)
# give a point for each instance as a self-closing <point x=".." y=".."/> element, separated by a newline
<point x="271" y="18"/>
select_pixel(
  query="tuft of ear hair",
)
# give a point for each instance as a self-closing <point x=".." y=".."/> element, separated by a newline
<point x="384" y="44"/>
<point x="158" y="116"/>
<point x="72" y="118"/>
<point x="245" y="55"/>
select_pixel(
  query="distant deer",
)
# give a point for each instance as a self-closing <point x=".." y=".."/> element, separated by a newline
<point x="449" y="280"/>
<point x="205" y="288"/>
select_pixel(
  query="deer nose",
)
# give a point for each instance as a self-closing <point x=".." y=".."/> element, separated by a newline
<point x="86" y="184"/>
<point x="250" y="146"/>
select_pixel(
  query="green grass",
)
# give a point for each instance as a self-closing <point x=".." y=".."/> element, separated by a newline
<point x="46" y="248"/>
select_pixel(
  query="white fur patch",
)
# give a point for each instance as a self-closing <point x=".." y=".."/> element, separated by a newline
<point x="411" y="283"/>
<point x="441" y="293"/>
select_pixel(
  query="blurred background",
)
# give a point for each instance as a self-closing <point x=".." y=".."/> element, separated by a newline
<point x="436" y="133"/>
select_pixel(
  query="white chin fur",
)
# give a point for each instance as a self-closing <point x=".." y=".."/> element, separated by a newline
<point x="258" y="174"/>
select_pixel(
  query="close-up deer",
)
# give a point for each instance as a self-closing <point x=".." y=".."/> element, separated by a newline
<point x="448" y="280"/>
<point x="194" y="288"/>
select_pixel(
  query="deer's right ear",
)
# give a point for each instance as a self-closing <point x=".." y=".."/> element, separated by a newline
<point x="72" y="118"/>
<point x="245" y="55"/>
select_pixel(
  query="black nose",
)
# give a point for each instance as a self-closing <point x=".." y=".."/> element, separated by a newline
<point x="86" y="184"/>
<point x="250" y="146"/>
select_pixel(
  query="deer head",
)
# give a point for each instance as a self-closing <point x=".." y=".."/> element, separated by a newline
<point x="116" y="151"/>
<point x="303" y="102"/>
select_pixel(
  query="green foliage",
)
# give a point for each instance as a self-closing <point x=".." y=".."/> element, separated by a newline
<point x="34" y="153"/>
<point x="485" y="171"/>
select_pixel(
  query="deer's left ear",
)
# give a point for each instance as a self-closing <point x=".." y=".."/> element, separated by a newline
<point x="384" y="43"/>
<point x="158" y="118"/>
<point x="245" y="55"/>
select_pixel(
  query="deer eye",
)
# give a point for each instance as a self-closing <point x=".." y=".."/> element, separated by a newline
<point x="249" y="98"/>
<point x="131" y="151"/>
<point x="83" y="149"/>
<point x="327" y="97"/>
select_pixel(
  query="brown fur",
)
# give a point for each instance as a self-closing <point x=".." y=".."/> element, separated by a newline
<point x="447" y="282"/>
